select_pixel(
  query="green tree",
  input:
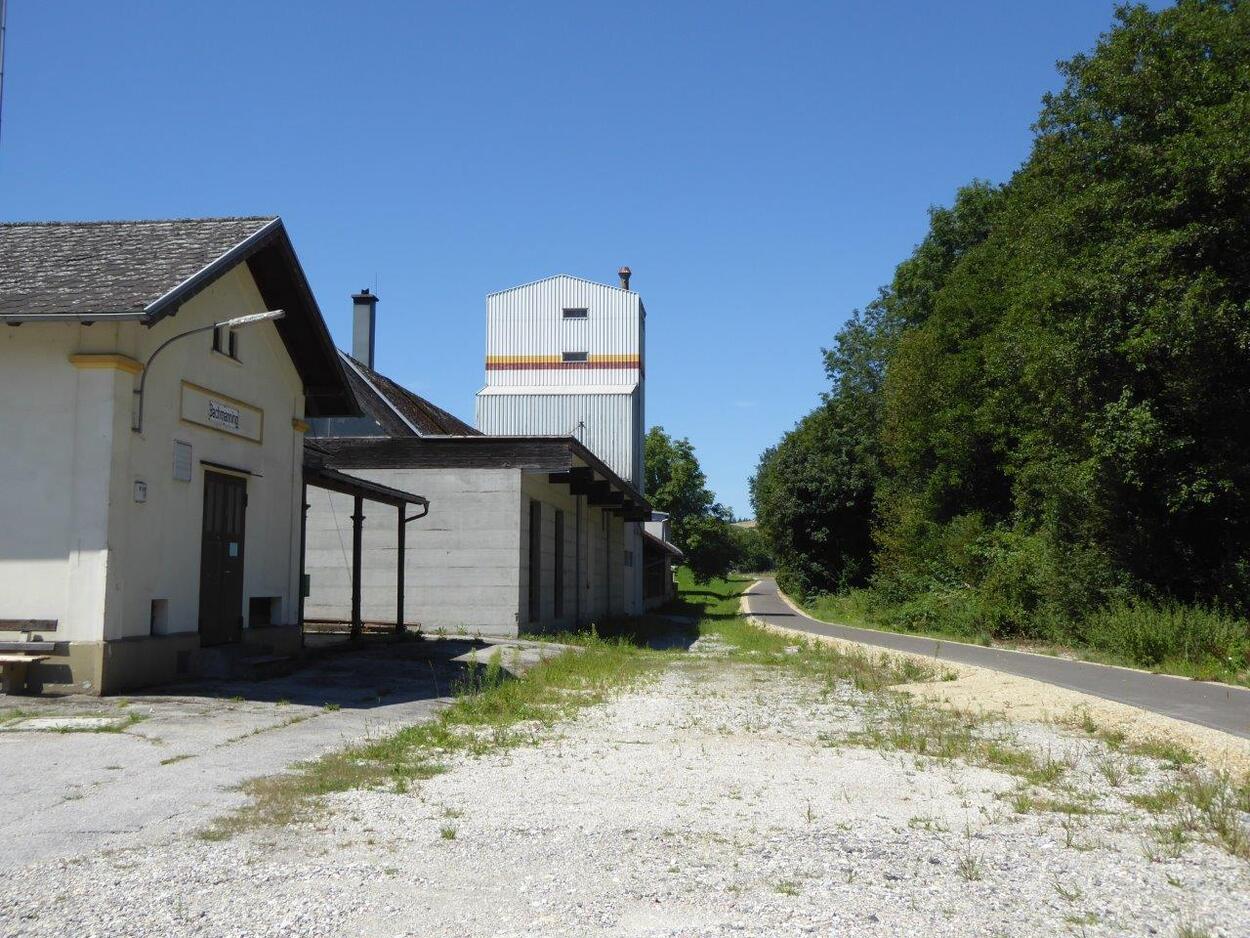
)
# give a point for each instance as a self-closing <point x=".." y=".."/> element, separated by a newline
<point x="813" y="501"/>
<point x="1066" y="424"/>
<point x="1042" y="420"/>
<point x="676" y="485"/>
<point x="752" y="551"/>
<point x="816" y="493"/>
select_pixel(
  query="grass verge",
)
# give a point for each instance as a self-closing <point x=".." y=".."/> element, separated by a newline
<point x="1165" y="640"/>
<point x="491" y="712"/>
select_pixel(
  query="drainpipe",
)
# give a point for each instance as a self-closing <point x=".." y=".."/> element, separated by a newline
<point x="401" y="536"/>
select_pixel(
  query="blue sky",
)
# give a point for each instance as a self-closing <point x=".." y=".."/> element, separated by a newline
<point x="761" y="166"/>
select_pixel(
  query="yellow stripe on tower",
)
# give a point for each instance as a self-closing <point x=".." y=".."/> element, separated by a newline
<point x="626" y="361"/>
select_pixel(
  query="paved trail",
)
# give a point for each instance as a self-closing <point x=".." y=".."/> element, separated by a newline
<point x="1217" y="706"/>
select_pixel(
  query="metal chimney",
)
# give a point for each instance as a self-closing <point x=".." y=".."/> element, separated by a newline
<point x="364" y="322"/>
<point x="624" y="274"/>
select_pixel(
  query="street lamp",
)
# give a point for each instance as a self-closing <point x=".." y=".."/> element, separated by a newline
<point x="235" y="323"/>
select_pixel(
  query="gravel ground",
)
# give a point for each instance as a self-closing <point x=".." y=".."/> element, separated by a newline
<point x="719" y="799"/>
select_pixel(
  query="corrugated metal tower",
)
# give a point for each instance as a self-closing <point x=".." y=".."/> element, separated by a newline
<point x="566" y="356"/>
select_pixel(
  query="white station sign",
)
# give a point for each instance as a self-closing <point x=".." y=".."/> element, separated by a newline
<point x="211" y="409"/>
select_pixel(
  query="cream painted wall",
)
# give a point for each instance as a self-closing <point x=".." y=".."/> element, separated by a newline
<point x="56" y="432"/>
<point x="75" y="545"/>
<point x="159" y="540"/>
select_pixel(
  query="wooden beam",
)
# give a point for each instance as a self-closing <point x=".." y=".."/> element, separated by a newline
<point x="578" y="479"/>
<point x="606" y="497"/>
<point x="635" y="512"/>
<point x="468" y="452"/>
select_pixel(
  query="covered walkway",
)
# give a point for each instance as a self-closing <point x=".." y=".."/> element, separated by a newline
<point x="318" y="475"/>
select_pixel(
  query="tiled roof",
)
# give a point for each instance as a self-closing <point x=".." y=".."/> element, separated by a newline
<point x="74" y="268"/>
<point x="380" y="397"/>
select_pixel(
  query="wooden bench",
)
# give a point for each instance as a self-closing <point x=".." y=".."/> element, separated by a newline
<point x="13" y="667"/>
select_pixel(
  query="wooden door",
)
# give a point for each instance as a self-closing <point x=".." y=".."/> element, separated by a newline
<point x="221" y="559"/>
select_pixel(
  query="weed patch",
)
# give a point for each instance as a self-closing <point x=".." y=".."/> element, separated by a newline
<point x="491" y="712"/>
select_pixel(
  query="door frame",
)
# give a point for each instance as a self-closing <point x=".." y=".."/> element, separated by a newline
<point x="228" y="628"/>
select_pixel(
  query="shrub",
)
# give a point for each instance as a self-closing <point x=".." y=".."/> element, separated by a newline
<point x="1152" y="635"/>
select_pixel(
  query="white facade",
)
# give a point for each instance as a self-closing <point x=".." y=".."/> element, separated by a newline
<point x="602" y="417"/>
<point x="98" y="535"/>
<point x="567" y="357"/>
<point x="532" y="389"/>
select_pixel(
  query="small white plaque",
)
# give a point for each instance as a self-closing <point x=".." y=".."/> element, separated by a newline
<point x="182" y="461"/>
<point x="141" y="491"/>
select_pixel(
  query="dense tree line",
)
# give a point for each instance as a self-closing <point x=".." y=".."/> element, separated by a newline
<point x="676" y="484"/>
<point x="1046" y="414"/>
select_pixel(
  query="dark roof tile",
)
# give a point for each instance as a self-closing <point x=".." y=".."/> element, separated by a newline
<point x="380" y="397"/>
<point x="73" y="268"/>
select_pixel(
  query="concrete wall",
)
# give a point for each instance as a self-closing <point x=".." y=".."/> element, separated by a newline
<point x="462" y="570"/>
<point x="468" y="561"/>
<point x="593" y="559"/>
<point x="75" y="544"/>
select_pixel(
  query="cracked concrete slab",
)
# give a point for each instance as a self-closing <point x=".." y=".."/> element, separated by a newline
<point x="172" y="760"/>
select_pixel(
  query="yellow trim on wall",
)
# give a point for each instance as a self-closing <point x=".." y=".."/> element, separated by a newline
<point x="300" y="426"/>
<point x="558" y="359"/>
<point x="106" y="360"/>
<point x="521" y="359"/>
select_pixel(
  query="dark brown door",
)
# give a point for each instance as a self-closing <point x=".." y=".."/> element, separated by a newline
<point x="221" y="559"/>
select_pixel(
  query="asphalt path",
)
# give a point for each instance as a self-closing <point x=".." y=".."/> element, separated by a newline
<point x="1217" y="706"/>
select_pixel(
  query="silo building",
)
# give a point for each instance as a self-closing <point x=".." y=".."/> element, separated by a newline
<point x="567" y="357"/>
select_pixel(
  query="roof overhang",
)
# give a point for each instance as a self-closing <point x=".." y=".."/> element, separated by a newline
<point x="661" y="544"/>
<point x="530" y="390"/>
<point x="335" y="481"/>
<point x="564" y="459"/>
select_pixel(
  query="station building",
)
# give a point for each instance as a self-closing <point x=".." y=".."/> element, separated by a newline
<point x="138" y="531"/>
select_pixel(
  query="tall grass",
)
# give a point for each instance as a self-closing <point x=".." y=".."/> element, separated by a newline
<point x="1185" y="639"/>
<point x="1192" y="641"/>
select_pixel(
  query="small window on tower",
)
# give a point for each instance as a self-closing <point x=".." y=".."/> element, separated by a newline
<point x="576" y="312"/>
<point x="575" y="356"/>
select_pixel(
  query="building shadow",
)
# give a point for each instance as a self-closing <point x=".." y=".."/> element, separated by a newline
<point x="363" y="677"/>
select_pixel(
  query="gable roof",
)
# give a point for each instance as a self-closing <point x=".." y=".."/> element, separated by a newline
<point x="143" y="271"/>
<point x="74" y="268"/>
<point x="396" y="409"/>
<point x="593" y="283"/>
